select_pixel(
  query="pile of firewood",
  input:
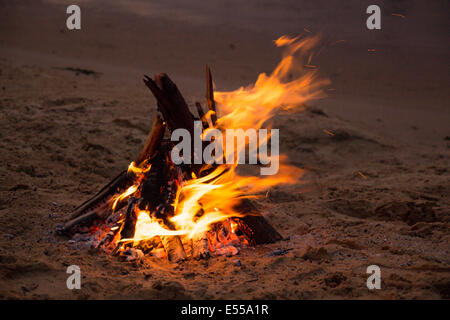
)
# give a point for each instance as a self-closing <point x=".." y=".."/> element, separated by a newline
<point x="158" y="187"/>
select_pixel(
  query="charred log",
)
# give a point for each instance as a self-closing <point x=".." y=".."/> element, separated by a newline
<point x="98" y="206"/>
<point x="153" y="142"/>
<point x="129" y="226"/>
<point x="171" y="103"/>
<point x="85" y="219"/>
<point x="254" y="225"/>
<point x="201" y="115"/>
<point x="110" y="235"/>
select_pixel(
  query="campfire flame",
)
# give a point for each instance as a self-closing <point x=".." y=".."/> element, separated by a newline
<point x="288" y="87"/>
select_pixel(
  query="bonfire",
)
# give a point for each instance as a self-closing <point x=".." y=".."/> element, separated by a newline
<point x="193" y="209"/>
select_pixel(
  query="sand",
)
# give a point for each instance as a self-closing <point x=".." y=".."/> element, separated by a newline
<point x="376" y="190"/>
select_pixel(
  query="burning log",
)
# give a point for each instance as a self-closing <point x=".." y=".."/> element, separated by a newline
<point x="210" y="95"/>
<point x="110" y="235"/>
<point x="171" y="103"/>
<point x="129" y="226"/>
<point x="153" y="142"/>
<point x="124" y="179"/>
<point x="130" y="220"/>
<point x="173" y="108"/>
<point x="98" y="206"/>
<point x="174" y="248"/>
<point x="84" y="219"/>
<point x="254" y="225"/>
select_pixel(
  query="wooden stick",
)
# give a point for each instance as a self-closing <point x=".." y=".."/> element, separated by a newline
<point x="210" y="95"/>
<point x="111" y="234"/>
<point x="148" y="245"/>
<point x="129" y="226"/>
<point x="201" y="115"/>
<point x="254" y="225"/>
<point x="173" y="108"/>
<point x="200" y="247"/>
<point x="81" y="220"/>
<point x="174" y="248"/>
<point x="171" y="103"/>
<point x="177" y="115"/>
<point x="153" y="140"/>
<point x="124" y="180"/>
<point x="118" y="184"/>
<point x="154" y="181"/>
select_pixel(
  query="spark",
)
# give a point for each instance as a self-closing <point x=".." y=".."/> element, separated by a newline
<point x="399" y="15"/>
